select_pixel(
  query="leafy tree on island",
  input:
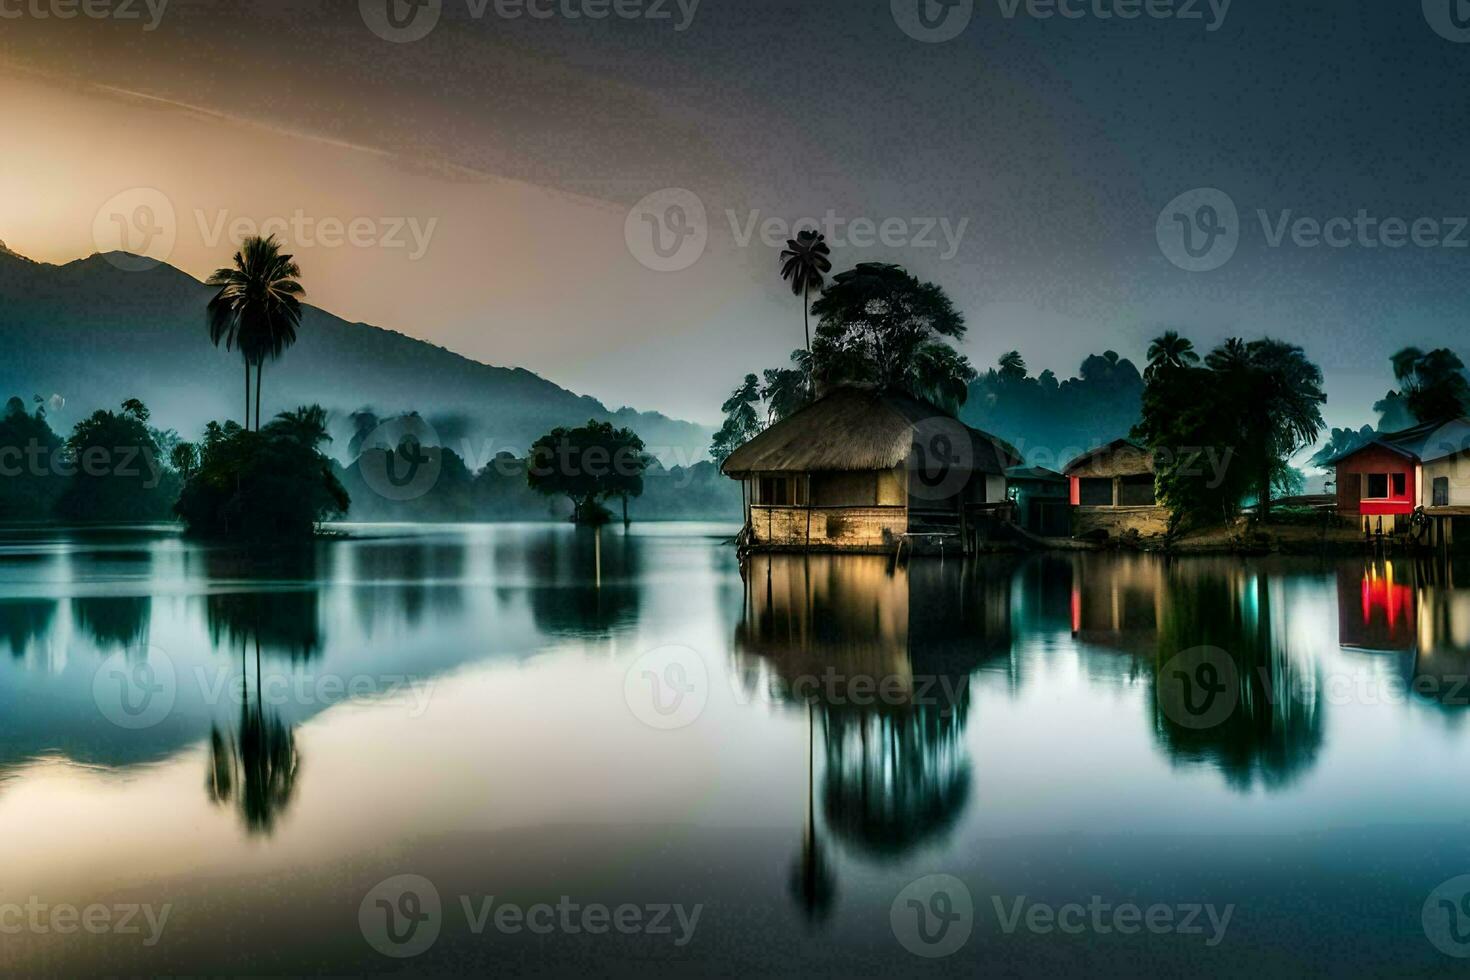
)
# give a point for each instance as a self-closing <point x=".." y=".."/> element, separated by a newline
<point x="30" y="482"/>
<point x="265" y="485"/>
<point x="117" y="472"/>
<point x="588" y="464"/>
<point x="1224" y="433"/>
<point x="257" y="308"/>
<point x="881" y="326"/>
<point x="1432" y="387"/>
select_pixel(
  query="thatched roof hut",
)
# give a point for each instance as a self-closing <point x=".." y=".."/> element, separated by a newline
<point x="1121" y="457"/>
<point x="859" y="469"/>
<point x="853" y="428"/>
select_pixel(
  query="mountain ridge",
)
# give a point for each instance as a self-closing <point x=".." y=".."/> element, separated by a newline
<point x="52" y="317"/>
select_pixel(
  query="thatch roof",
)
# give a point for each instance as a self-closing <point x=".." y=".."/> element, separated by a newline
<point x="852" y="428"/>
<point x="1121" y="457"/>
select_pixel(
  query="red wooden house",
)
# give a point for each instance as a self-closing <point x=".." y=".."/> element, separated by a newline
<point x="1377" y="484"/>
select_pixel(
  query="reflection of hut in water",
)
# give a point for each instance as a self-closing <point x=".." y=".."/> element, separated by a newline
<point x="1116" y="601"/>
<point x="1375" y="608"/>
<point x="1441" y="662"/>
<point x="884" y="659"/>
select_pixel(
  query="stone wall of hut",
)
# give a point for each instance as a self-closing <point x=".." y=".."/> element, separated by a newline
<point x="1148" y="522"/>
<point x="832" y="528"/>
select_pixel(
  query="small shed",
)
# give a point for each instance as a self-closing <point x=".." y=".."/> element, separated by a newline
<point x="860" y="469"/>
<point x="1111" y="490"/>
<point x="1042" y="500"/>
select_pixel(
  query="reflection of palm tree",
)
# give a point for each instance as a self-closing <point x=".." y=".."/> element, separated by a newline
<point x="257" y="308"/>
<point x="813" y="884"/>
<point x="257" y="771"/>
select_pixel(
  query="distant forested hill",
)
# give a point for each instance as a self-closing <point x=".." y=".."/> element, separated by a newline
<point x="1050" y="421"/>
<point x="96" y="334"/>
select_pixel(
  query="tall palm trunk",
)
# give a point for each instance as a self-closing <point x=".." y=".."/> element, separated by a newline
<point x="247" y="394"/>
<point x="806" y="326"/>
<point x="259" y="370"/>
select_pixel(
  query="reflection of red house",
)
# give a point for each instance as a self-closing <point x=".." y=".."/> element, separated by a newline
<point x="1375" y="611"/>
<point x="1377" y="481"/>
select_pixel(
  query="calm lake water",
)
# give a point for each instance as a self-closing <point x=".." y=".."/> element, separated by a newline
<point x="522" y="750"/>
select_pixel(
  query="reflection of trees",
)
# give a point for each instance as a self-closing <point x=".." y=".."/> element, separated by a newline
<point x="23" y="621"/>
<point x="882" y="660"/>
<point x="272" y="602"/>
<point x="404" y="579"/>
<point x="284" y="621"/>
<point x="1275" y="729"/>
<point x="584" y="582"/>
<point x="256" y="766"/>
<point x="113" y="620"/>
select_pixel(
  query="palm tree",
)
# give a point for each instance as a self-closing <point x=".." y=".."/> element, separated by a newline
<point x="1169" y="351"/>
<point x="805" y="265"/>
<point x="1232" y="355"/>
<point x="306" y="425"/>
<point x="257" y="308"/>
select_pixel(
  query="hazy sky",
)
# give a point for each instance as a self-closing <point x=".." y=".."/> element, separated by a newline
<point x="487" y="169"/>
